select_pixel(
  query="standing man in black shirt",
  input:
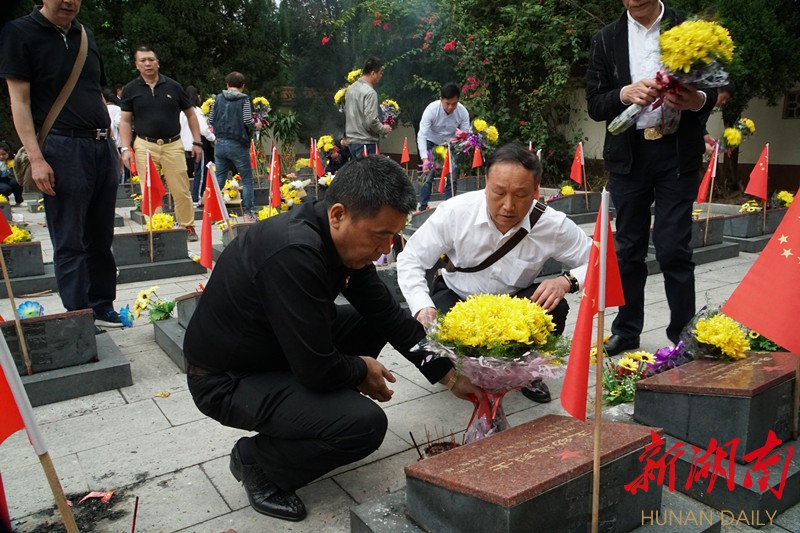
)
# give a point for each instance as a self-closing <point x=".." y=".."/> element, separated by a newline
<point x="269" y="351"/>
<point x="77" y="166"/>
<point x="155" y="102"/>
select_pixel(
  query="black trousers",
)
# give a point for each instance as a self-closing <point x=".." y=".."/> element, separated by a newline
<point x="655" y="177"/>
<point x="11" y="187"/>
<point x="301" y="434"/>
<point x="444" y="299"/>
<point x="80" y="219"/>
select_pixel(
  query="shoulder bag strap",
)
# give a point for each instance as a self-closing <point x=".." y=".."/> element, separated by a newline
<point x="536" y="213"/>
<point x="58" y="105"/>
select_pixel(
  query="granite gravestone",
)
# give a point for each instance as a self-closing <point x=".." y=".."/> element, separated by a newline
<point x="532" y="477"/>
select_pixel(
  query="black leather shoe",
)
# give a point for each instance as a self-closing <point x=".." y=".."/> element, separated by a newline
<point x="618" y="344"/>
<point x="264" y="495"/>
<point x="537" y="391"/>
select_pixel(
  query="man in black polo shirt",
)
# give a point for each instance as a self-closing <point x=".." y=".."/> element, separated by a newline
<point x="269" y="351"/>
<point x="155" y="102"/>
<point x="77" y="167"/>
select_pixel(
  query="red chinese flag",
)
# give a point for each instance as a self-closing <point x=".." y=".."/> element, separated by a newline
<point x="213" y="209"/>
<point x="5" y="229"/>
<point x="757" y="186"/>
<point x="445" y="171"/>
<point x="576" y="172"/>
<point x="750" y="303"/>
<point x="404" y="157"/>
<point x="134" y="171"/>
<point x="10" y="418"/>
<point x="311" y="156"/>
<point x="275" y="180"/>
<point x="573" y="393"/>
<point x="477" y="158"/>
<point x="253" y="163"/>
<point x="318" y="161"/>
<point x="152" y="189"/>
<point x="377" y="150"/>
<point x="711" y="171"/>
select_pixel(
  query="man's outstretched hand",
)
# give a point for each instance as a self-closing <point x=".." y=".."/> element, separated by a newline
<point x="374" y="385"/>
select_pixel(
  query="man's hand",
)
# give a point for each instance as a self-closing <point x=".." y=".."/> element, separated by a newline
<point x="43" y="176"/>
<point x="374" y="384"/>
<point x="685" y="98"/>
<point x="197" y="153"/>
<point x="643" y="92"/>
<point x="550" y="292"/>
<point x="388" y="129"/>
<point x="463" y="387"/>
<point x="126" y="158"/>
<point x="426" y="316"/>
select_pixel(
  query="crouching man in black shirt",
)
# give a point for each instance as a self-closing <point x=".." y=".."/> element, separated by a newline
<point x="269" y="351"/>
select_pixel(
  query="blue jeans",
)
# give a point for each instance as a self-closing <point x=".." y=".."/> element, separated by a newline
<point x="425" y="190"/>
<point x="229" y="153"/>
<point x="357" y="150"/>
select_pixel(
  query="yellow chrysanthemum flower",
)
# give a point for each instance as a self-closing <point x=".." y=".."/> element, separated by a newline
<point x="260" y="100"/>
<point x="325" y="143"/>
<point x="750" y="206"/>
<point x="749" y="124"/>
<point x="567" y="190"/>
<point x="492" y="134"/>
<point x="135" y="179"/>
<point x="479" y="125"/>
<point x="695" y="43"/>
<point x="785" y="198"/>
<point x="160" y="222"/>
<point x="440" y="152"/>
<point x="3" y="199"/>
<point x="488" y="320"/>
<point x="733" y="137"/>
<point x="353" y="75"/>
<point x="303" y="162"/>
<point x="17" y="235"/>
<point x="724" y="333"/>
<point x="338" y="98"/>
<point x="267" y="212"/>
<point x="205" y="108"/>
<point x="10" y="163"/>
<point x="392" y="104"/>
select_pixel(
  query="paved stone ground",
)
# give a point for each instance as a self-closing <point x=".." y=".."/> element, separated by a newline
<point x="176" y="460"/>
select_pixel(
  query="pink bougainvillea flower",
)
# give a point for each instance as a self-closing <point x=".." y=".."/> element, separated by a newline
<point x="449" y="46"/>
<point x="424" y="46"/>
<point x="325" y="40"/>
<point x="522" y="122"/>
<point x="485" y="61"/>
<point x="387" y="26"/>
<point x="377" y="22"/>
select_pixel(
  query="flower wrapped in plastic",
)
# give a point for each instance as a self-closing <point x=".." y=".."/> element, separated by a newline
<point x="499" y="343"/>
<point x="732" y="137"/>
<point x="713" y="334"/>
<point x="694" y="53"/>
<point x="483" y="135"/>
<point x="390" y="110"/>
<point x="668" y="358"/>
<point x="261" y="109"/>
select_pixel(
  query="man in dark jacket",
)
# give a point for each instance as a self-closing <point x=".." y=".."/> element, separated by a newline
<point x="231" y="117"/>
<point x="647" y="164"/>
<point x="269" y="351"/>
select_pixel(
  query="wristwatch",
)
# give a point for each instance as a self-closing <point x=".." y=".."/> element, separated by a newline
<point x="573" y="283"/>
<point x="197" y="143"/>
<point x="124" y="149"/>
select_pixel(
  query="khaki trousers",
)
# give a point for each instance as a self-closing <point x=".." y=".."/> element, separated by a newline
<point x="171" y="162"/>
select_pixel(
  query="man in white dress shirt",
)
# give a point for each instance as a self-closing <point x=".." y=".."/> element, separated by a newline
<point x="487" y="220"/>
<point x="438" y="125"/>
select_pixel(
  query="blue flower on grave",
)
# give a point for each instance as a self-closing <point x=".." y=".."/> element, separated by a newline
<point x="30" y="309"/>
<point x="127" y="316"/>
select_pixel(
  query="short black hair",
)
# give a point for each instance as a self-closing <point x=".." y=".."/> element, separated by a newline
<point x="367" y="185"/>
<point x="730" y="88"/>
<point x="372" y="64"/>
<point x="235" y="79"/>
<point x="7" y="147"/>
<point x="144" y="48"/>
<point x="450" y="90"/>
<point x="514" y="153"/>
<point x="110" y="96"/>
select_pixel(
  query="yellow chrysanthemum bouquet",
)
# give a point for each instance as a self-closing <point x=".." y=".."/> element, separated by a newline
<point x="693" y="53"/>
<point x="499" y="343"/>
<point x="261" y="109"/>
<point x="713" y="334"/>
<point x="339" y="97"/>
<point x="732" y="137"/>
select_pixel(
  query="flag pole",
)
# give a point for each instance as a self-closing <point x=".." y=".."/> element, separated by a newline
<point x="598" y="392"/>
<point x="23" y="345"/>
<point x="585" y="184"/>
<point x="452" y="184"/>
<point x="710" y="194"/>
<point x="35" y="436"/>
